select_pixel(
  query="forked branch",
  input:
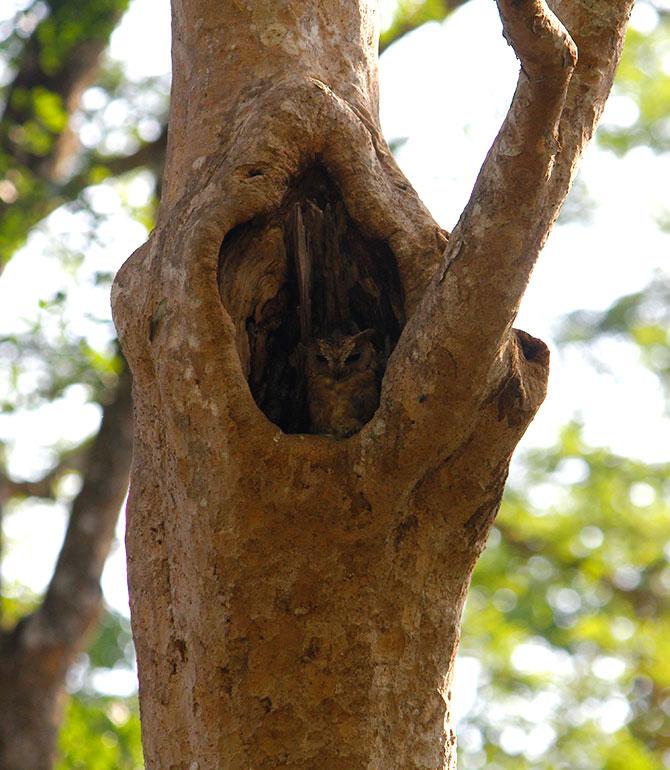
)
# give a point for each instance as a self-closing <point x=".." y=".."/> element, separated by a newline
<point x="455" y="351"/>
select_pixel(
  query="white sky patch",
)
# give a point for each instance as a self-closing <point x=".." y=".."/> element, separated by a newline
<point x="114" y="576"/>
<point x="142" y="41"/>
<point x="545" y="497"/>
<point x="466" y="679"/>
<point x="139" y="189"/>
<point x="621" y="111"/>
<point x="539" y="740"/>
<point x="591" y="537"/>
<point x="565" y="600"/>
<point x="644" y="18"/>
<point x="34" y="535"/>
<point x="571" y="470"/>
<point x="623" y="628"/>
<point x="608" y="668"/>
<point x="65" y="422"/>
<point x="536" y="657"/>
<point x="613" y="714"/>
<point x="120" y="682"/>
<point x="427" y="84"/>
<point x="642" y="494"/>
<point x="387" y="10"/>
<point x="513" y="740"/>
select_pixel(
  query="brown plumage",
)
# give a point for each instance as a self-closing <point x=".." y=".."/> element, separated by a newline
<point x="342" y="382"/>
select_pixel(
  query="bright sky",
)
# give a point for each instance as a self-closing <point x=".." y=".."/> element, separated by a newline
<point x="448" y="100"/>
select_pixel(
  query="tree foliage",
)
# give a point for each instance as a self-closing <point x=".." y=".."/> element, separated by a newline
<point x="102" y="732"/>
<point x="569" y="613"/>
<point x="52" y="52"/>
<point x="643" y="91"/>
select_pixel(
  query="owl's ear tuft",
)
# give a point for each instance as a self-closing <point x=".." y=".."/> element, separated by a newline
<point x="367" y="335"/>
<point x="298" y="356"/>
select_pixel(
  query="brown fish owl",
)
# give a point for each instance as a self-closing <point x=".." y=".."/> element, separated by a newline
<point x="342" y="382"/>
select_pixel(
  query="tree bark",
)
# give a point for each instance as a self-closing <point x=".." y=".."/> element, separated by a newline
<point x="36" y="654"/>
<point x="296" y="599"/>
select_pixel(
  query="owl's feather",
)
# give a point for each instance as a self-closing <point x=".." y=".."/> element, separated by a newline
<point x="342" y="382"/>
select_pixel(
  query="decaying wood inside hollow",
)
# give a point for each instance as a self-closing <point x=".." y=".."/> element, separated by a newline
<point x="305" y="272"/>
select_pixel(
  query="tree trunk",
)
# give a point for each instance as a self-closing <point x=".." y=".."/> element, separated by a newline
<point x="37" y="653"/>
<point x="296" y="598"/>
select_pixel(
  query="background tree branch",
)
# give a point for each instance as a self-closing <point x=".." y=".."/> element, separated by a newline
<point x="36" y="654"/>
<point x="37" y="145"/>
<point x="410" y="16"/>
<point x="72" y="599"/>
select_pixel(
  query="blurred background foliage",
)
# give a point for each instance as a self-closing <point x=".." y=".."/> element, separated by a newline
<point x="567" y="624"/>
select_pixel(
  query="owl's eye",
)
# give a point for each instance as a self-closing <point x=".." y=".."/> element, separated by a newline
<point x="321" y="358"/>
<point x="352" y="358"/>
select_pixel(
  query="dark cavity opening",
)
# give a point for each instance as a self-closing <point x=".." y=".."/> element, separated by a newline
<point x="318" y="308"/>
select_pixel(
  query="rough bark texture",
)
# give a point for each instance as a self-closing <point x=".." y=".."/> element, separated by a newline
<point x="36" y="654"/>
<point x="296" y="598"/>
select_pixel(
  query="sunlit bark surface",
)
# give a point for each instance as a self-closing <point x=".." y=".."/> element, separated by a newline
<point x="296" y="598"/>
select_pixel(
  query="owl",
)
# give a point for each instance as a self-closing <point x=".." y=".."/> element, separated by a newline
<point x="342" y="375"/>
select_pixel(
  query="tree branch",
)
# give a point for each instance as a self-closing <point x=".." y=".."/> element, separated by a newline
<point x="150" y="155"/>
<point x="456" y="349"/>
<point x="58" y="62"/>
<point x="66" y="77"/>
<point x="499" y="235"/>
<point x="32" y="209"/>
<point x="404" y="22"/>
<point x="599" y="32"/>
<point x="73" y="596"/>
<point x="44" y="486"/>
